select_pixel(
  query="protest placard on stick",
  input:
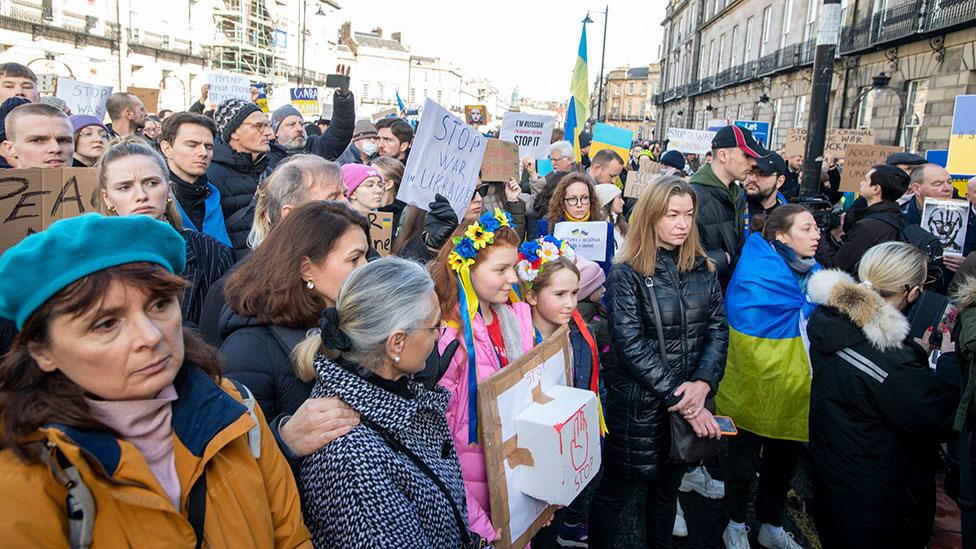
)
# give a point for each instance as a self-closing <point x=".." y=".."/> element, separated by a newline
<point x="381" y="232"/>
<point x="32" y="199"/>
<point x="84" y="98"/>
<point x="532" y="133"/>
<point x="501" y="161"/>
<point x="606" y="136"/>
<point x="860" y="159"/>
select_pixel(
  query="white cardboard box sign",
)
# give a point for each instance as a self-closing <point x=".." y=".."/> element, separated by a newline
<point x="563" y="436"/>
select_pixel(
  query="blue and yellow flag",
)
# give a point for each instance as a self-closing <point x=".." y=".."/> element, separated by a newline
<point x="766" y="388"/>
<point x="962" y="139"/>
<point x="579" y="103"/>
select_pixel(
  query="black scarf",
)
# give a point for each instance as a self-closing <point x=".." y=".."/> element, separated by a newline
<point x="191" y="197"/>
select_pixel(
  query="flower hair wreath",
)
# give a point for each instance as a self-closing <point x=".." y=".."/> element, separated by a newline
<point x="478" y="236"/>
<point x="536" y="253"/>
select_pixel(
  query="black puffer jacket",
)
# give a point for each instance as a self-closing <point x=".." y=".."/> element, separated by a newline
<point x="335" y="139"/>
<point x="719" y="219"/>
<point x="236" y="176"/>
<point x="641" y="388"/>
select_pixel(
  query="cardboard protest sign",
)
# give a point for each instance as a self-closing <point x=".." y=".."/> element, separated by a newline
<point x="501" y="161"/>
<point x="588" y="238"/>
<point x="860" y="159"/>
<point x="690" y="141"/>
<point x="962" y="138"/>
<point x="475" y="115"/>
<point x="759" y="130"/>
<point x="606" y="136"/>
<point x="501" y="399"/>
<point x="836" y="142"/>
<point x="532" y="133"/>
<point x="306" y="100"/>
<point x="84" y="98"/>
<point x="959" y="180"/>
<point x="381" y="232"/>
<point x="444" y="159"/>
<point x="637" y="182"/>
<point x="32" y="199"/>
<point x="947" y="220"/>
<point x="224" y="86"/>
<point x="148" y="96"/>
<point x="386" y="113"/>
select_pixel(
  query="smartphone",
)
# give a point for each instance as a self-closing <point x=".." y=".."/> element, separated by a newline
<point x="726" y="426"/>
<point x="337" y="81"/>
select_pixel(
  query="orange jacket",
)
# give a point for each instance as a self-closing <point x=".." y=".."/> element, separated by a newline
<point x="249" y="503"/>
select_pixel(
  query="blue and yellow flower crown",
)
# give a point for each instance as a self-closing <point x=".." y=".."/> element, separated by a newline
<point x="536" y="253"/>
<point x="478" y="235"/>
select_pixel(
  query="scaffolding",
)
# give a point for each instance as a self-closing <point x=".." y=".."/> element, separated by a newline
<point x="244" y="41"/>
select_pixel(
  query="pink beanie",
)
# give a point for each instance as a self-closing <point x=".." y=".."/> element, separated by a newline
<point x="591" y="276"/>
<point x="354" y="174"/>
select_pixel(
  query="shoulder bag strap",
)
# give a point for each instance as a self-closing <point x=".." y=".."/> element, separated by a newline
<point x="649" y="282"/>
<point x="196" y="507"/>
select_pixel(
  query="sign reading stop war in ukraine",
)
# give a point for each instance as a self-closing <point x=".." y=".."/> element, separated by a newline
<point x="532" y="133"/>
<point x="445" y="159"/>
<point x="84" y="98"/>
<point x="32" y="199"/>
<point x="690" y="141"/>
<point x="224" y="86"/>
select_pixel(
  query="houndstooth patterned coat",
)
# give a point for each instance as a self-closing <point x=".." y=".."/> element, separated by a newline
<point x="359" y="492"/>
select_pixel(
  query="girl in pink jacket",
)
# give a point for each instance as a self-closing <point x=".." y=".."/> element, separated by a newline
<point x="474" y="280"/>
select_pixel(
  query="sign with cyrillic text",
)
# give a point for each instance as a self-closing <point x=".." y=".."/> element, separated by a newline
<point x="588" y="238"/>
<point x="224" y="86"/>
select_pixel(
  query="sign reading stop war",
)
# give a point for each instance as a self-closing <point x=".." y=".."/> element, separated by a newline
<point x="838" y="139"/>
<point x="860" y="159"/>
<point x="445" y="159"/>
<point x="532" y="133"/>
<point x="32" y="199"/>
<point x="690" y="141"/>
<point x="84" y="98"/>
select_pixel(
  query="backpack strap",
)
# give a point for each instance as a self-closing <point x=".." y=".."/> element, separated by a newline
<point x="254" y="435"/>
<point x="196" y="507"/>
<point x="80" y="502"/>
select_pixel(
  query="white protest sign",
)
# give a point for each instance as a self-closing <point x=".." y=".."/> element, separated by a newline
<point x="947" y="220"/>
<point x="224" y="86"/>
<point x="444" y="159"/>
<point x="84" y="98"/>
<point x="690" y="141"/>
<point x="532" y="133"/>
<point x="588" y="238"/>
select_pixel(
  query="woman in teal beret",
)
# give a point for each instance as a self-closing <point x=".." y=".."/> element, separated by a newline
<point x="134" y="180"/>
<point x="115" y="426"/>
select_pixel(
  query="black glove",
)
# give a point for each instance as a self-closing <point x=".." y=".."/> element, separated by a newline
<point x="437" y="364"/>
<point x="441" y="222"/>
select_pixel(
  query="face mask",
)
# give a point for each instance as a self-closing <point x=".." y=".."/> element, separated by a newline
<point x="369" y="148"/>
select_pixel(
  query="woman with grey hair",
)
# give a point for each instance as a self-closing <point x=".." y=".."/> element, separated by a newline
<point x="394" y="480"/>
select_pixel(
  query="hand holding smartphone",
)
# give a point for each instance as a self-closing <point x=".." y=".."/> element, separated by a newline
<point x="726" y="426"/>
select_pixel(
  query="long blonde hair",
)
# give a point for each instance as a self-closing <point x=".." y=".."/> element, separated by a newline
<point x="123" y="147"/>
<point x="890" y="268"/>
<point x="640" y="248"/>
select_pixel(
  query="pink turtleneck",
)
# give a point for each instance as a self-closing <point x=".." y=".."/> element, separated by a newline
<point x="147" y="425"/>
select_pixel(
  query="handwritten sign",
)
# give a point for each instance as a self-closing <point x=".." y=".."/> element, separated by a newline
<point x="381" y="232"/>
<point x="606" y="136"/>
<point x="84" y="98"/>
<point x="836" y="144"/>
<point x="306" y="100"/>
<point x="690" y="141"/>
<point x="947" y="220"/>
<point x="148" y="96"/>
<point x="445" y="159"/>
<point x="962" y="138"/>
<point x="588" y="238"/>
<point x="501" y="161"/>
<point x="32" y="199"/>
<point x="637" y="182"/>
<point x="860" y="159"/>
<point x="532" y="133"/>
<point x="224" y="86"/>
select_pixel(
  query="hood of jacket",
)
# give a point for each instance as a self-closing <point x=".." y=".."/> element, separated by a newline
<point x="879" y="322"/>
<point x="224" y="155"/>
<point x="965" y="292"/>
<point x="229" y="322"/>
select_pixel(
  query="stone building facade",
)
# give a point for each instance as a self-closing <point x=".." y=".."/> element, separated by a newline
<point x="627" y="94"/>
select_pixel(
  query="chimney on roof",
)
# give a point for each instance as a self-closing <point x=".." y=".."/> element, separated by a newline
<point x="395" y="36"/>
<point x="378" y="31"/>
<point x="345" y="32"/>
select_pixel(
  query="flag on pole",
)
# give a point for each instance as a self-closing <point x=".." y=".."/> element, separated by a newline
<point x="403" y="109"/>
<point x="579" y="102"/>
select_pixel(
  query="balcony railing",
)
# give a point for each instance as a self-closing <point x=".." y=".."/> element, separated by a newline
<point x="910" y="19"/>
<point x="949" y="13"/>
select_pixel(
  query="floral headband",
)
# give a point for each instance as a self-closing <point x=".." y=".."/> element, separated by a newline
<point x="479" y="235"/>
<point x="536" y="253"/>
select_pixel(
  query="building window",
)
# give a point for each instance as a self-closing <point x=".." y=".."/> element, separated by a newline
<point x="644" y="89"/>
<point x="800" y="113"/>
<point x="711" y="58"/>
<point x="865" y="110"/>
<point x="630" y="88"/>
<point x="365" y="91"/>
<point x="630" y="108"/>
<point x="440" y="97"/>
<point x="380" y="91"/>
<point x="777" y="109"/>
<point x="750" y="23"/>
<point x="787" y="21"/>
<point x="812" y="6"/>
<point x="735" y="40"/>
<point x="721" y="51"/>
<point x="917" y="91"/>
<point x="764" y="39"/>
<point x="413" y="95"/>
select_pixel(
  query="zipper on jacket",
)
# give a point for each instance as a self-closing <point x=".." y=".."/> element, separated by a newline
<point x="672" y="269"/>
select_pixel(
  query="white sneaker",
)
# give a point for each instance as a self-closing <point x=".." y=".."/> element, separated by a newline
<point x="680" y="526"/>
<point x="700" y="481"/>
<point x="782" y="540"/>
<point x="736" y="538"/>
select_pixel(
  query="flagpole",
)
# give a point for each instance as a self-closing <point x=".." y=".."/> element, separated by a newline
<point x="603" y="54"/>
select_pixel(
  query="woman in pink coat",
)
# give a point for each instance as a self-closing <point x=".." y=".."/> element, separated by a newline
<point x="474" y="279"/>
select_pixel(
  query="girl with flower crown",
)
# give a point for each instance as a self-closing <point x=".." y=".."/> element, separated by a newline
<point x="474" y="276"/>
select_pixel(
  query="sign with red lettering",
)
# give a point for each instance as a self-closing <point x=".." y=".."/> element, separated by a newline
<point x="32" y="199"/>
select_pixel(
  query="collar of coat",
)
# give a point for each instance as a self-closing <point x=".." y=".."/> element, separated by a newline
<point x="202" y="411"/>
<point x="883" y="325"/>
<point x="386" y="409"/>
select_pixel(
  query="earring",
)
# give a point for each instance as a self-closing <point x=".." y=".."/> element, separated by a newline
<point x="396" y="358"/>
<point x="169" y="200"/>
<point x="310" y="284"/>
<point x="111" y="209"/>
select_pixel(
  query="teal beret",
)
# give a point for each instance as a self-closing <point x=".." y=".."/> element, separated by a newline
<point x="44" y="263"/>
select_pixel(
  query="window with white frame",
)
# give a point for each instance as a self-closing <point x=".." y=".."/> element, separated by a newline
<point x="721" y="52"/>
<point x="787" y="22"/>
<point x="750" y="23"/>
<point x="711" y="58"/>
<point x="764" y="40"/>
<point x="915" y="113"/>
<point x="800" y="112"/>
<point x="733" y="45"/>
<point x="777" y="110"/>
<point x="809" y="28"/>
<point x="365" y="90"/>
<point x="865" y="109"/>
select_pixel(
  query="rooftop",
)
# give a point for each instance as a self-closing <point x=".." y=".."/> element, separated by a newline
<point x="371" y="40"/>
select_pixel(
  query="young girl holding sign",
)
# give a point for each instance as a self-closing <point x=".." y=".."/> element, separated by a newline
<point x="474" y="276"/>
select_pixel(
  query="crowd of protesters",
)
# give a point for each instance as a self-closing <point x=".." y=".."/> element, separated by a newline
<point x="219" y="357"/>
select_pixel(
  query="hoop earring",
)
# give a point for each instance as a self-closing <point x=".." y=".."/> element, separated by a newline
<point x="310" y="284"/>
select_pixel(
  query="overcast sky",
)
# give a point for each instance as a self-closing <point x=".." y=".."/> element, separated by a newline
<point x="526" y="43"/>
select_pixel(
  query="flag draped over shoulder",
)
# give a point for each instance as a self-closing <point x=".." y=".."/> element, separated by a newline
<point x="766" y="387"/>
<point x="579" y="102"/>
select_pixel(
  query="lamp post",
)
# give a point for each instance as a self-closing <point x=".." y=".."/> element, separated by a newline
<point x="603" y="53"/>
<point x="880" y="83"/>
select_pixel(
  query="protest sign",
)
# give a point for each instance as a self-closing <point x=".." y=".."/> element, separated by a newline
<point x="148" y="96"/>
<point x="32" y="199"/>
<point x="606" y="136"/>
<point x="637" y="182"/>
<point x="543" y="167"/>
<point x="588" y="238"/>
<point x="532" y="133"/>
<point x="444" y="159"/>
<point x="962" y="138"/>
<point x="860" y="159"/>
<point x="947" y="220"/>
<point x="959" y="180"/>
<point x="306" y="100"/>
<point x="759" y="130"/>
<point x="224" y="86"/>
<point x="501" y="398"/>
<point x="386" y="113"/>
<point x="475" y="115"/>
<point x="501" y="161"/>
<point x="262" y="100"/>
<point x="381" y="232"/>
<point x="84" y="98"/>
<point x="690" y="141"/>
<point x="715" y="124"/>
<point x="836" y="142"/>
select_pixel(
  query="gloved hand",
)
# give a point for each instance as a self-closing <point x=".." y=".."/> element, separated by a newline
<point x="437" y="364"/>
<point x="441" y="222"/>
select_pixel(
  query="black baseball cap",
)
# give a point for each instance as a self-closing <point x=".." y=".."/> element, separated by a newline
<point x="771" y="164"/>
<point x="736" y="137"/>
<point x="905" y="158"/>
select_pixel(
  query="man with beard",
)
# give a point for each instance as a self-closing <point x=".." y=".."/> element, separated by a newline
<point x="291" y="136"/>
<point x="128" y="114"/>
<point x="763" y="195"/>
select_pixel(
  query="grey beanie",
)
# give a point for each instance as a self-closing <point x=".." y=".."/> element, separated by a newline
<point x="230" y="114"/>
<point x="281" y="113"/>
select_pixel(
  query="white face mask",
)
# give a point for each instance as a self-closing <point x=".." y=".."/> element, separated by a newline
<point x="369" y="147"/>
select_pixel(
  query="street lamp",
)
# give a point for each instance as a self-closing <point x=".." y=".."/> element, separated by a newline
<point x="603" y="53"/>
<point x="880" y="83"/>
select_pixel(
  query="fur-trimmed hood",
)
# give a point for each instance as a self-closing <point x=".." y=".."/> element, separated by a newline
<point x="965" y="293"/>
<point x="883" y="325"/>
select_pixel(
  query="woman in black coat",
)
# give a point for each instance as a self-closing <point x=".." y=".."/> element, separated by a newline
<point x="663" y="256"/>
<point x="877" y="411"/>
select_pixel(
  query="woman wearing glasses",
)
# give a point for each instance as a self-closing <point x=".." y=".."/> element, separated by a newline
<point x="575" y="200"/>
<point x="365" y="185"/>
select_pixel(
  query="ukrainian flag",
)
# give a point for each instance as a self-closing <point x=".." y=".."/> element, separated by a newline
<point x="766" y="387"/>
<point x="579" y="103"/>
<point x="962" y="140"/>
